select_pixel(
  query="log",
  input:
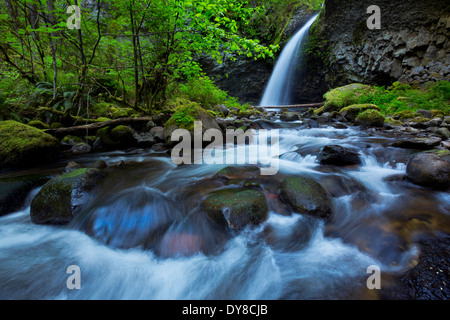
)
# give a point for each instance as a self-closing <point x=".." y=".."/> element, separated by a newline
<point x="292" y="106"/>
<point x="83" y="130"/>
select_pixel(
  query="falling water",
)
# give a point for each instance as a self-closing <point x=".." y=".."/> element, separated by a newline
<point x="278" y="90"/>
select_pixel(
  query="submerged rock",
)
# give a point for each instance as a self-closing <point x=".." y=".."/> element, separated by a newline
<point x="304" y="195"/>
<point x="338" y="155"/>
<point x="236" y="207"/>
<point x="62" y="198"/>
<point x="25" y="145"/>
<point x="430" y="169"/>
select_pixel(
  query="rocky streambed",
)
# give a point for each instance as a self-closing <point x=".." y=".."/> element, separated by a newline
<point x="352" y="191"/>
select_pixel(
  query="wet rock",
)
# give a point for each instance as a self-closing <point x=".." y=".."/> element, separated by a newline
<point x="430" y="170"/>
<point x="425" y="113"/>
<point x="158" y="133"/>
<point x="99" y="164"/>
<point x="289" y="116"/>
<point x="13" y="191"/>
<point x="304" y="195"/>
<point x="62" y="198"/>
<point x="263" y="124"/>
<point x="236" y="207"/>
<point x="72" y="165"/>
<point x="351" y="112"/>
<point x="159" y="147"/>
<point x="25" y="145"/>
<point x="430" y="278"/>
<point x="81" y="148"/>
<point x="338" y="156"/>
<point x="238" y="172"/>
<point x="418" y="143"/>
<point x="143" y="139"/>
<point x="442" y="133"/>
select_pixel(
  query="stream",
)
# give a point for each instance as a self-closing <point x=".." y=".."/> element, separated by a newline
<point x="143" y="235"/>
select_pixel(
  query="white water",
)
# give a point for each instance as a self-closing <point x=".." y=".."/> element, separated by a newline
<point x="279" y="88"/>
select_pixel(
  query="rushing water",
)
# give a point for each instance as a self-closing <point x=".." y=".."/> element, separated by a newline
<point x="278" y="90"/>
<point x="143" y="235"/>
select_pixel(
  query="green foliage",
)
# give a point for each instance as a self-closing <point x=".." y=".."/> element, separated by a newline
<point x="204" y="91"/>
<point x="347" y="95"/>
<point x="403" y="97"/>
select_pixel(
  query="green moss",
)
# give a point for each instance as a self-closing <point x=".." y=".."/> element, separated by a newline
<point x="185" y="114"/>
<point x="23" y="143"/>
<point x="56" y="125"/>
<point x="341" y="97"/>
<point x="406" y="114"/>
<point x="351" y="112"/>
<point x="103" y="119"/>
<point x="38" y="124"/>
<point x="371" y="118"/>
<point x="393" y="121"/>
<point x="69" y="139"/>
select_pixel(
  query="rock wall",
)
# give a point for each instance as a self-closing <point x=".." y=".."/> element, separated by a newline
<point x="411" y="46"/>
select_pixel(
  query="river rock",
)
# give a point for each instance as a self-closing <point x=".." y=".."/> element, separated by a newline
<point x="25" y="145"/>
<point x="425" y="113"/>
<point x="62" y="198"/>
<point x="351" y="112"/>
<point x="13" y="191"/>
<point x="81" y="148"/>
<point x="289" y="116"/>
<point x="443" y="133"/>
<point x="430" y="170"/>
<point x="304" y="195"/>
<point x="418" y="143"/>
<point x="236" y="207"/>
<point x="338" y="156"/>
<point x="120" y="136"/>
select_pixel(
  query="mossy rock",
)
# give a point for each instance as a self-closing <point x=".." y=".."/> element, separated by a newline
<point x="63" y="197"/>
<point x="341" y="97"/>
<point x="370" y="118"/>
<point x="38" y="124"/>
<point x="117" y="112"/>
<point x="120" y="136"/>
<point x="406" y="114"/>
<point x="350" y="113"/>
<point x="21" y="144"/>
<point x="238" y="172"/>
<point x="236" y="207"/>
<point x="305" y="196"/>
<point x="393" y="121"/>
<point x="69" y="139"/>
<point x="437" y="114"/>
<point x="184" y="117"/>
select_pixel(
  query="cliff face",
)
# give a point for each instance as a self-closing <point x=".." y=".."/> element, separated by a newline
<point x="412" y="45"/>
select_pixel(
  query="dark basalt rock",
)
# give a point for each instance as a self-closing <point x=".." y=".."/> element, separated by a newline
<point x="338" y="156"/>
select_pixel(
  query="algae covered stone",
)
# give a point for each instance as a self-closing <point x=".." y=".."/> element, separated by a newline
<point x="370" y="118"/>
<point x="351" y="112"/>
<point x="341" y="97"/>
<point x="304" y="195"/>
<point x="62" y="198"/>
<point x="21" y="144"/>
<point x="236" y="207"/>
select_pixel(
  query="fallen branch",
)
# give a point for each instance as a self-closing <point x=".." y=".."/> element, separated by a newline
<point x="83" y="130"/>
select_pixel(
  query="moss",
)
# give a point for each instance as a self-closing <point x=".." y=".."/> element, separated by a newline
<point x="406" y="114"/>
<point x="21" y="143"/>
<point x="372" y="118"/>
<point x="351" y="112"/>
<point x="69" y="139"/>
<point x="185" y="115"/>
<point x="103" y="119"/>
<point x="38" y="124"/>
<point x="117" y="112"/>
<point x="393" y="121"/>
<point x="437" y="113"/>
<point x="341" y="97"/>
<point x="121" y="133"/>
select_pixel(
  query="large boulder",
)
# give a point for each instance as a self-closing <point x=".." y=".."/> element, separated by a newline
<point x="13" y="191"/>
<point x="21" y="144"/>
<point x="338" y="156"/>
<point x="341" y="97"/>
<point x="184" y="117"/>
<point x="62" y="198"/>
<point x="304" y="195"/>
<point x="289" y="116"/>
<point x="430" y="169"/>
<point x="236" y="207"/>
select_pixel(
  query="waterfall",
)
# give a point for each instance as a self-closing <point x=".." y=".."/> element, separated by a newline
<point x="278" y="90"/>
